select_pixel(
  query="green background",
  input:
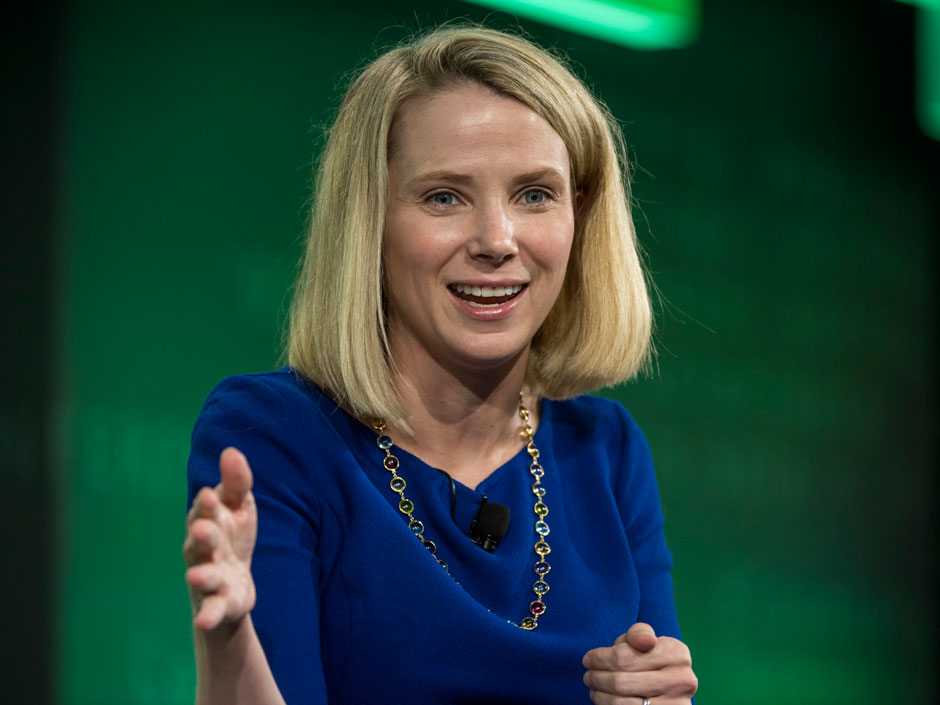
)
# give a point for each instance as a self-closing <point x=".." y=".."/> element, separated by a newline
<point x="784" y="202"/>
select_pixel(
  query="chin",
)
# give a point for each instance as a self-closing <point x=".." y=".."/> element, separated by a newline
<point x="493" y="358"/>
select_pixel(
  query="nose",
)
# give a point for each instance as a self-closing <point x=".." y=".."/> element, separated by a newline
<point x="494" y="239"/>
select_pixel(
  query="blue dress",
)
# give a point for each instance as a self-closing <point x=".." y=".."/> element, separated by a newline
<point x="353" y="609"/>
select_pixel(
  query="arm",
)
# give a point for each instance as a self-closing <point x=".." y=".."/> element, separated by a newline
<point x="268" y="419"/>
<point x="641" y="664"/>
<point x="231" y="667"/>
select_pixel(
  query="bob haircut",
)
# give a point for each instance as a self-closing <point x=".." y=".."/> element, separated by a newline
<point x="598" y="331"/>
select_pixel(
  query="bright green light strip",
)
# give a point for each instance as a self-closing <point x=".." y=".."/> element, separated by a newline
<point x="636" y="25"/>
<point x="928" y="70"/>
<point x="927" y="21"/>
<point x="926" y="4"/>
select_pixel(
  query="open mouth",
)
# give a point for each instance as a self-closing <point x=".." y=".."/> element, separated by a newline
<point x="482" y="296"/>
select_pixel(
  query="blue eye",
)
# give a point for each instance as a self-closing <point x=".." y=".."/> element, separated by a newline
<point x="535" y="197"/>
<point x="442" y="199"/>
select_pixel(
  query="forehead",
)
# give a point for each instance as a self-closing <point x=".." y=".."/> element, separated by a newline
<point x="470" y="122"/>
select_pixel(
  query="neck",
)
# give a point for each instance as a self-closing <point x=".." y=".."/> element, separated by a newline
<point x="465" y="422"/>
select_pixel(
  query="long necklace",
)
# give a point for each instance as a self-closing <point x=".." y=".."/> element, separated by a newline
<point x="542" y="549"/>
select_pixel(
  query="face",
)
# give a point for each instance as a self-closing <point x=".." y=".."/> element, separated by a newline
<point x="478" y="228"/>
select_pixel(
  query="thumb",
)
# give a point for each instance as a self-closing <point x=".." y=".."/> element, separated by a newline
<point x="236" y="477"/>
<point x="641" y="637"/>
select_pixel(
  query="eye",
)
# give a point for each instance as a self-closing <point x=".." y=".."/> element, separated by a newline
<point x="535" y="197"/>
<point x="442" y="198"/>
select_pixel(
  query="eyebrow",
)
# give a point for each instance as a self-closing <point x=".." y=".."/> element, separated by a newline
<point x="443" y="175"/>
<point x="462" y="179"/>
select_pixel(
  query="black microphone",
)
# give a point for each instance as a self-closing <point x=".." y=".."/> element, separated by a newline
<point x="489" y="525"/>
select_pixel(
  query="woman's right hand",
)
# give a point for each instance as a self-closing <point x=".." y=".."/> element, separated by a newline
<point x="220" y="536"/>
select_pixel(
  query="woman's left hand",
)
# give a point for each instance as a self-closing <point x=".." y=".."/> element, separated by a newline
<point x="640" y="665"/>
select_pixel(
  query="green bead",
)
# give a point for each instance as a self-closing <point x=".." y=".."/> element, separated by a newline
<point x="406" y="506"/>
<point x="541" y="509"/>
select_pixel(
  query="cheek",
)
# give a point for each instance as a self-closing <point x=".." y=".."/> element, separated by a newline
<point x="418" y="246"/>
<point x="555" y="249"/>
<point x="412" y="256"/>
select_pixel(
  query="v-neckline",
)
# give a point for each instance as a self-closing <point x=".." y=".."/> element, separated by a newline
<point x="361" y="430"/>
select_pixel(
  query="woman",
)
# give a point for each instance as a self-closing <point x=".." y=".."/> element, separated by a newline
<point x="471" y="257"/>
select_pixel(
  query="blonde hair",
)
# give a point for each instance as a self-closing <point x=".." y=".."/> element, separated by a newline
<point x="598" y="331"/>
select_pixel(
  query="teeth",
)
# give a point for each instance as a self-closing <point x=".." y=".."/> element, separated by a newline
<point x="487" y="290"/>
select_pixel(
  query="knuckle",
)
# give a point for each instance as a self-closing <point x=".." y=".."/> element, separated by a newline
<point x="682" y="681"/>
<point x="622" y="681"/>
<point x="677" y="649"/>
<point x="668" y="642"/>
<point x="591" y="679"/>
<point x="623" y="655"/>
<point x="203" y="530"/>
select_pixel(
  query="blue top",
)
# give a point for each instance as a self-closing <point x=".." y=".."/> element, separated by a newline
<point x="353" y="609"/>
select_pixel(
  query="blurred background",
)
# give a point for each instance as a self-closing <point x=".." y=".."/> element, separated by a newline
<point x="157" y="159"/>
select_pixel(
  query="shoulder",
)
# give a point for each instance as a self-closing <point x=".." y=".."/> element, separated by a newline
<point x="269" y="416"/>
<point x="595" y="419"/>
<point x="262" y="394"/>
<point x="601" y="437"/>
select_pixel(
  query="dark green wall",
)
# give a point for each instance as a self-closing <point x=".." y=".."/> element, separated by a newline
<point x="784" y="202"/>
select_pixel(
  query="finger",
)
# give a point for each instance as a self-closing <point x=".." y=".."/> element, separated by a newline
<point x="671" y="682"/>
<point x="205" y="504"/>
<point x="625" y="683"/>
<point x="641" y="637"/>
<point x="211" y="612"/>
<point x="629" y="683"/>
<point x="206" y="578"/>
<point x="599" y="698"/>
<point x="236" y="477"/>
<point x="623" y="657"/>
<point x="202" y="539"/>
<point x="619" y="657"/>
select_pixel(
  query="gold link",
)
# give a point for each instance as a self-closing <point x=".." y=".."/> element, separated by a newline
<point x="542" y="548"/>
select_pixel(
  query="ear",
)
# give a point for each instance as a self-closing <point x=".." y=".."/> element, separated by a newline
<point x="579" y="199"/>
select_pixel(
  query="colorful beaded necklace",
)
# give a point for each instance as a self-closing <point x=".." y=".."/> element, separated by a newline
<point x="542" y="549"/>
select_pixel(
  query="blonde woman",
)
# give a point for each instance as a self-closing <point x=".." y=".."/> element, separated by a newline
<point x="422" y="508"/>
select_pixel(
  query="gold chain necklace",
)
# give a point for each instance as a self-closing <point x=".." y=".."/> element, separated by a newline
<point x="542" y="549"/>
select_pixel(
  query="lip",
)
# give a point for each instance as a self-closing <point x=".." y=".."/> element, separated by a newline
<point x="498" y="282"/>
<point x="489" y="313"/>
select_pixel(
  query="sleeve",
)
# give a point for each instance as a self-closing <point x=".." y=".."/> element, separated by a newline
<point x="644" y="521"/>
<point x="265" y="422"/>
